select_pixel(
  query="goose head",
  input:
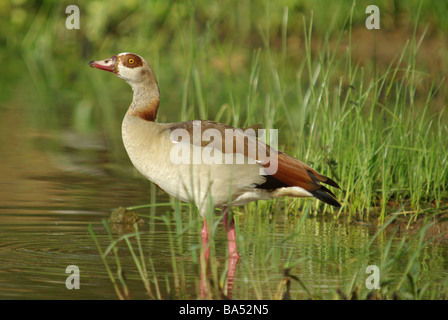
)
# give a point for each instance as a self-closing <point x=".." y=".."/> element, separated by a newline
<point x="129" y="66"/>
<point x="138" y="74"/>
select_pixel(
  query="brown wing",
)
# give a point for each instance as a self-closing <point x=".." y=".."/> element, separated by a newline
<point x="240" y="142"/>
<point x="293" y="172"/>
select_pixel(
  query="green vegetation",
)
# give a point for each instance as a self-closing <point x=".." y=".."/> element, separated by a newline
<point x="375" y="122"/>
<point x="365" y="107"/>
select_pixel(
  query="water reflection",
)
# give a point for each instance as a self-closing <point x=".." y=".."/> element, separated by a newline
<point x="45" y="208"/>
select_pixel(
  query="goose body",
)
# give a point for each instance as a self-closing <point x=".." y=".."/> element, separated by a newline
<point x="234" y="177"/>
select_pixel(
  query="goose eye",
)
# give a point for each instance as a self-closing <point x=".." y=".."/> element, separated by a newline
<point x="131" y="61"/>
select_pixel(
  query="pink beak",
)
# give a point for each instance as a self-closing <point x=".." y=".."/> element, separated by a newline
<point x="107" y="65"/>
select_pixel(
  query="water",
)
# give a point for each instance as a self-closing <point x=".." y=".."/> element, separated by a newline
<point x="47" y="200"/>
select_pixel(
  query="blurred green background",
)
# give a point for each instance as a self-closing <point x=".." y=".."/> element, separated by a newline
<point x="216" y="39"/>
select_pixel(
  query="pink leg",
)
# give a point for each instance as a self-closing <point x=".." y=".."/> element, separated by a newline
<point x="204" y="264"/>
<point x="205" y="244"/>
<point x="231" y="237"/>
<point x="233" y="252"/>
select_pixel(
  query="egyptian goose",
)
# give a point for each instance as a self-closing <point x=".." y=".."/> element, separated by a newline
<point x="234" y="177"/>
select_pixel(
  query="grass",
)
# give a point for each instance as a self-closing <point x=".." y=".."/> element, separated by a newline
<point x="374" y="122"/>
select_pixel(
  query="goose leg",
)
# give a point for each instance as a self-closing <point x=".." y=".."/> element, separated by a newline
<point x="231" y="237"/>
<point x="204" y="261"/>
<point x="233" y="252"/>
<point x="205" y="244"/>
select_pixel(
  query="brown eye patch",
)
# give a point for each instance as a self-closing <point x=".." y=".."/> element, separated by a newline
<point x="131" y="60"/>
